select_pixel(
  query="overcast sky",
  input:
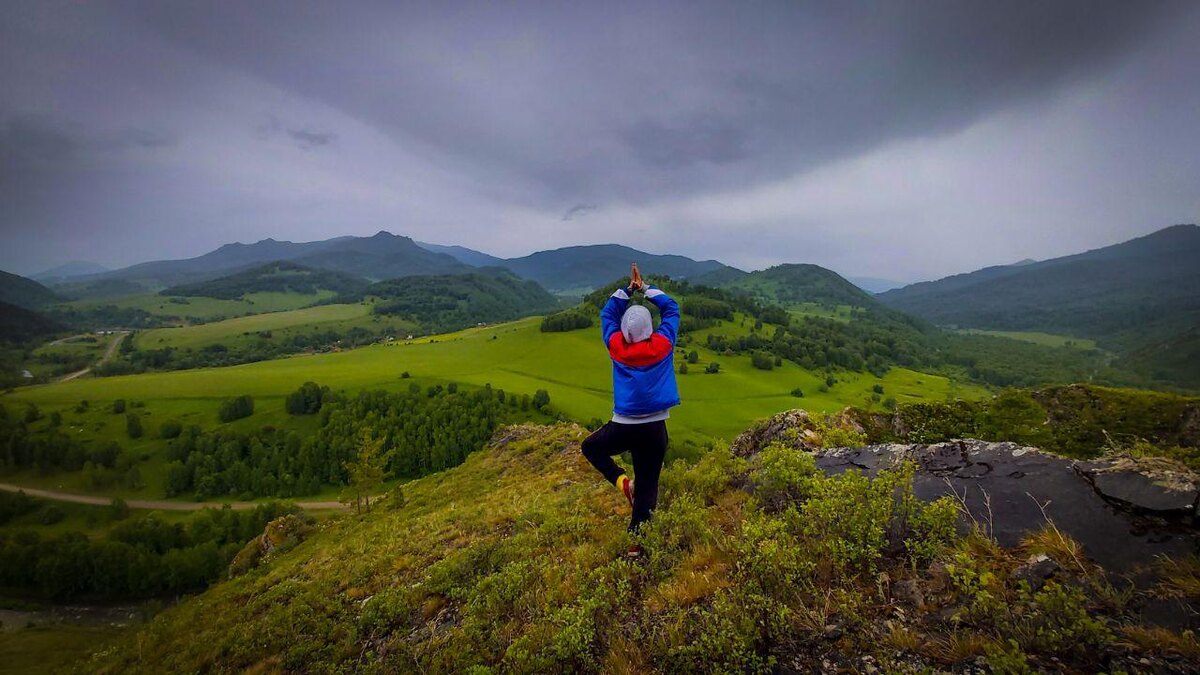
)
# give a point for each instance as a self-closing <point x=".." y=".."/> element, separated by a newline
<point x="896" y="140"/>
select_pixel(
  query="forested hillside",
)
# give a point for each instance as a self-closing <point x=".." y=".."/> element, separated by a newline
<point x="452" y="301"/>
<point x="1140" y="298"/>
<point x="583" y="268"/>
<point x="794" y="284"/>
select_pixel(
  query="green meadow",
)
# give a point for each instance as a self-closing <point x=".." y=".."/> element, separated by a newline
<point x="1046" y="339"/>
<point x="206" y="309"/>
<point x="281" y="324"/>
<point x="573" y="367"/>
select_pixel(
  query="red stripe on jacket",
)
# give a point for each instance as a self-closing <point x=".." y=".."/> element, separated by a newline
<point x="639" y="354"/>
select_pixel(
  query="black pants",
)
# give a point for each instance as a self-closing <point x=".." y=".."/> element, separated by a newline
<point x="647" y="443"/>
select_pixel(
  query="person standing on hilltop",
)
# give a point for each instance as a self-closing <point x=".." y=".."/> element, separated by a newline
<point x="644" y="391"/>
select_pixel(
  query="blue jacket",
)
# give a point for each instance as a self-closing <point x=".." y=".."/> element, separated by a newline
<point x="643" y="372"/>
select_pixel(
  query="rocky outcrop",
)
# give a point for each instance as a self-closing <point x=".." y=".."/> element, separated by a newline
<point x="279" y="535"/>
<point x="1123" y="510"/>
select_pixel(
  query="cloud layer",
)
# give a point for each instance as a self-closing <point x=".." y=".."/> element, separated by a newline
<point x="904" y="140"/>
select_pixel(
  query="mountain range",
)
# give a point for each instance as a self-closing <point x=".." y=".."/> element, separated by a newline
<point x="570" y="270"/>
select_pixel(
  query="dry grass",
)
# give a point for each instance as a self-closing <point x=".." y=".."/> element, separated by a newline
<point x="1157" y="640"/>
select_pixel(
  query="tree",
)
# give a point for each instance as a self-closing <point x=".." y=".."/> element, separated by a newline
<point x="713" y="367"/>
<point x="541" y="399"/>
<point x="118" y="509"/>
<point x="133" y="425"/>
<point x="683" y="369"/>
<point x="118" y="406"/>
<point x="365" y="472"/>
<point x="236" y="408"/>
<point x="307" y="400"/>
<point x="693" y="356"/>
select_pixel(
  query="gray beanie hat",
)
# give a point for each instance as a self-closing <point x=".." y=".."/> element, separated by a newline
<point x="636" y="324"/>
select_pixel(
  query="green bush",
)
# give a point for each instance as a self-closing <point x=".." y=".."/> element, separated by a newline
<point x="170" y="429"/>
<point x="782" y="476"/>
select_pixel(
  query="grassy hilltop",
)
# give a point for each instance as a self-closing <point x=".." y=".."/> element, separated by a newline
<point x="512" y="562"/>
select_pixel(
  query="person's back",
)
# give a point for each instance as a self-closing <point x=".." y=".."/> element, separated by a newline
<point x="644" y="391"/>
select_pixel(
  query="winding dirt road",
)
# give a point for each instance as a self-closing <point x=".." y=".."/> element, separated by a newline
<point x="112" y="349"/>
<point x="156" y="504"/>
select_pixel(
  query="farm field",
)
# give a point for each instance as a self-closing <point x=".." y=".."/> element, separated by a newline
<point x="516" y="357"/>
<point x="1046" y="339"/>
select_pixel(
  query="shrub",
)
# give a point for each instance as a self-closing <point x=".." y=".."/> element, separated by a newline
<point x="170" y="429"/>
<point x="118" y="406"/>
<point x="781" y="476"/>
<point x="51" y="514"/>
<point x="713" y="367"/>
<point x="133" y="425"/>
<point x="762" y="360"/>
<point x="798" y="392"/>
<point x="683" y="369"/>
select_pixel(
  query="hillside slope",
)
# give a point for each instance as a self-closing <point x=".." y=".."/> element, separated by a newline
<point x="18" y="324"/>
<point x="1140" y="298"/>
<point x="583" y="268"/>
<point x="512" y="562"/>
<point x="22" y="292"/>
<point x="794" y="284"/>
<point x="274" y="277"/>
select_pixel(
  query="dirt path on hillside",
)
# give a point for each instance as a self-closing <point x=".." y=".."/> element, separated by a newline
<point x="108" y="353"/>
<point x="156" y="504"/>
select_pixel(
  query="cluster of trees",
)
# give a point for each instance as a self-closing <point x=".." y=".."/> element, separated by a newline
<point x="422" y="431"/>
<point x="818" y="343"/>
<point x="236" y="408"/>
<point x="568" y="319"/>
<point x="306" y="400"/>
<point x="278" y="277"/>
<point x="138" y="558"/>
<point x="701" y="306"/>
<point x="442" y="303"/>
<point x="51" y="449"/>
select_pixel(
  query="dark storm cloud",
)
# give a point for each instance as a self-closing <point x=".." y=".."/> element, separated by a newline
<point x="759" y="132"/>
<point x="639" y="100"/>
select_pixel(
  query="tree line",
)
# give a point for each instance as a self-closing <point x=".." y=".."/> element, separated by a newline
<point x="138" y="558"/>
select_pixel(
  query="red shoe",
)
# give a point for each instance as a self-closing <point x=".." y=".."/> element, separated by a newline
<point x="634" y="551"/>
<point x="625" y="485"/>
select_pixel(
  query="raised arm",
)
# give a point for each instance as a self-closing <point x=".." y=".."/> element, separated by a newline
<point x="610" y="314"/>
<point x="668" y="310"/>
